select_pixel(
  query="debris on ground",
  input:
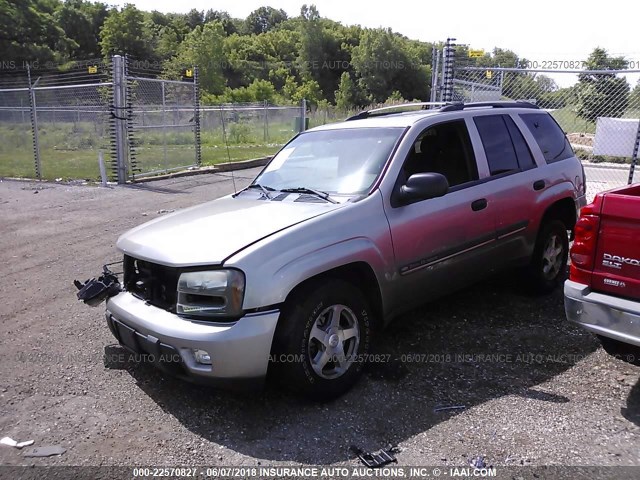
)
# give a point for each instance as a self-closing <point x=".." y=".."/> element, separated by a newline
<point x="478" y="462"/>
<point x="376" y="459"/>
<point x="452" y="407"/>
<point x="12" y="443"/>
<point x="47" y="451"/>
<point x="165" y="211"/>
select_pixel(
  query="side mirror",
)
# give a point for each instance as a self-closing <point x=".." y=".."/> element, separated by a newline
<point x="421" y="186"/>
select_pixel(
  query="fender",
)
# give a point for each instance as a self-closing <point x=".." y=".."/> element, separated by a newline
<point x="319" y="261"/>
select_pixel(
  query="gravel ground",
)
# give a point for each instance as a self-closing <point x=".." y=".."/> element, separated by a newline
<point x="536" y="390"/>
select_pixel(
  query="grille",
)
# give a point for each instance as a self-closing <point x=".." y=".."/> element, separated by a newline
<point x="151" y="282"/>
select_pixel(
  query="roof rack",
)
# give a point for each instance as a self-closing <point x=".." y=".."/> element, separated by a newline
<point x="452" y="107"/>
<point x="393" y="109"/>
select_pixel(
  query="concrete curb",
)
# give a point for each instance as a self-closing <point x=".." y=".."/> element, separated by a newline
<point x="220" y="167"/>
<point x="608" y="166"/>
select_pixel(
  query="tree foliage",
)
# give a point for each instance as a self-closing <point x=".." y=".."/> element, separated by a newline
<point x="602" y="95"/>
<point x="269" y="56"/>
<point x="124" y="32"/>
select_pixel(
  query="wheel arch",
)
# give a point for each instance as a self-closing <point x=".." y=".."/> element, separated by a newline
<point x="564" y="210"/>
<point x="361" y="275"/>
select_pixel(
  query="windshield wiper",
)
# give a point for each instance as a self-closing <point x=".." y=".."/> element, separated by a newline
<point x="317" y="193"/>
<point x="264" y="188"/>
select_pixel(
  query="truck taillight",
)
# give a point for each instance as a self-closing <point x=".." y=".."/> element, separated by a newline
<point x="584" y="246"/>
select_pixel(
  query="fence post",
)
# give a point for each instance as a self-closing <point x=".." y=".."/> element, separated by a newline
<point x="266" y="121"/>
<point x="164" y="126"/>
<point x="196" y="114"/>
<point x="634" y="157"/>
<point x="449" y="59"/>
<point x="303" y="115"/>
<point x="434" y="75"/>
<point x="34" y="125"/>
<point x="120" y="112"/>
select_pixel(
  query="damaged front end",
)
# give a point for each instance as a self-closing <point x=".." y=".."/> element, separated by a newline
<point x="96" y="290"/>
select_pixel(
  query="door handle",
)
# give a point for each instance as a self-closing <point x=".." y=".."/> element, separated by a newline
<point x="539" y="185"/>
<point x="479" y="204"/>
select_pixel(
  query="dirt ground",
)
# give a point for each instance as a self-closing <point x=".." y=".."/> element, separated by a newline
<point x="535" y="390"/>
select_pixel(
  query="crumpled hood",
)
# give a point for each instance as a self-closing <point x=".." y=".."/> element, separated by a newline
<point x="208" y="234"/>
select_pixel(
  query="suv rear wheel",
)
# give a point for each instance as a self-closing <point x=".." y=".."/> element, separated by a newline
<point x="322" y="339"/>
<point x="548" y="267"/>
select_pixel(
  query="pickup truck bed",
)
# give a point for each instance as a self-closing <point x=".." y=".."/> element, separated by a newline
<point x="603" y="290"/>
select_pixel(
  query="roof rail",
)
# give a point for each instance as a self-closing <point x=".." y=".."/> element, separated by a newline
<point x="392" y="109"/>
<point x="498" y="104"/>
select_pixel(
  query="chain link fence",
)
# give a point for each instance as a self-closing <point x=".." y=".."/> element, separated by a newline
<point x="232" y="132"/>
<point x="163" y="126"/>
<point x="53" y="124"/>
<point x="598" y="110"/>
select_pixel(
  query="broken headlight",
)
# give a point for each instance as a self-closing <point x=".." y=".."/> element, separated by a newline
<point x="210" y="294"/>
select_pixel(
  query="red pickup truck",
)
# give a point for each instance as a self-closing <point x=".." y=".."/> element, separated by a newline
<point x="603" y="290"/>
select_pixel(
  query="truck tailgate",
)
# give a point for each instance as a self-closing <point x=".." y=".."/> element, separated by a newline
<point x="617" y="265"/>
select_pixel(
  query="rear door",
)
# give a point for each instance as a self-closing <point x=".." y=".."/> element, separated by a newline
<point x="515" y="180"/>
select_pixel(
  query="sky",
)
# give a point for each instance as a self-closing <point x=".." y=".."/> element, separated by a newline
<point x="540" y="30"/>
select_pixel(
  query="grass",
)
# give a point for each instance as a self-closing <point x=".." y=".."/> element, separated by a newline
<point x="70" y="150"/>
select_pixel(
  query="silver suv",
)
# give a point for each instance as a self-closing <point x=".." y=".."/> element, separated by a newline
<point x="348" y="226"/>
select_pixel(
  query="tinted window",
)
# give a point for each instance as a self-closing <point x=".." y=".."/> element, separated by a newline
<point x="444" y="148"/>
<point x="549" y="136"/>
<point x="498" y="147"/>
<point x="525" y="159"/>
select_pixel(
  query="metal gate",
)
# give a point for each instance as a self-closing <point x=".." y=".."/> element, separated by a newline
<point x="156" y="126"/>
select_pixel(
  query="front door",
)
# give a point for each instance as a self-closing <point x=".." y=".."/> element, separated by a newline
<point x="442" y="244"/>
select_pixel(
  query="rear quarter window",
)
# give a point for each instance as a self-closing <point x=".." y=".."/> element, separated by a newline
<point x="548" y="135"/>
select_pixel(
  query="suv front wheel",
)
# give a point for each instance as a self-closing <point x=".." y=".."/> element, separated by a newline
<point x="323" y="338"/>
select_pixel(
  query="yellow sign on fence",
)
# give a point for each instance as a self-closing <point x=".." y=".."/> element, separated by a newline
<point x="92" y="69"/>
<point x="476" y="53"/>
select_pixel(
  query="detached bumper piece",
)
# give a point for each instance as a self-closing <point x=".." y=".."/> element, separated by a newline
<point x="376" y="459"/>
<point x="96" y="290"/>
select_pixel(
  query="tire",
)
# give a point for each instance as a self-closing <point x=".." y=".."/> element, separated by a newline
<point x="548" y="267"/>
<point x="311" y="355"/>
<point x="620" y="350"/>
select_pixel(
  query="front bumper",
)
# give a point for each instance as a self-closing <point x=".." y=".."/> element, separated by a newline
<point x="239" y="351"/>
<point x="602" y="314"/>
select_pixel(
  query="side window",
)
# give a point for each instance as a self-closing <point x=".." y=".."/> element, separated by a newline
<point x="444" y="148"/>
<point x="525" y="159"/>
<point x="501" y="155"/>
<point x="549" y="135"/>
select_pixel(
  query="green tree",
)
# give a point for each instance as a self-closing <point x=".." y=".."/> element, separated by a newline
<point x="262" y="90"/>
<point x="349" y="93"/>
<point x="385" y="63"/>
<point x="202" y="47"/>
<point x="194" y="19"/>
<point x="263" y="19"/>
<point x="29" y="32"/>
<point x="602" y="94"/>
<point x="634" y="97"/>
<point x="81" y="22"/>
<point x="229" y="24"/>
<point x="125" y="32"/>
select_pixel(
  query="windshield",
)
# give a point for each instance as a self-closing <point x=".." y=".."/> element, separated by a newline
<point x="334" y="161"/>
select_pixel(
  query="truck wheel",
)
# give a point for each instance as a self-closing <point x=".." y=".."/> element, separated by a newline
<point x="322" y="339"/>
<point x="548" y="267"/>
<point x="620" y="350"/>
